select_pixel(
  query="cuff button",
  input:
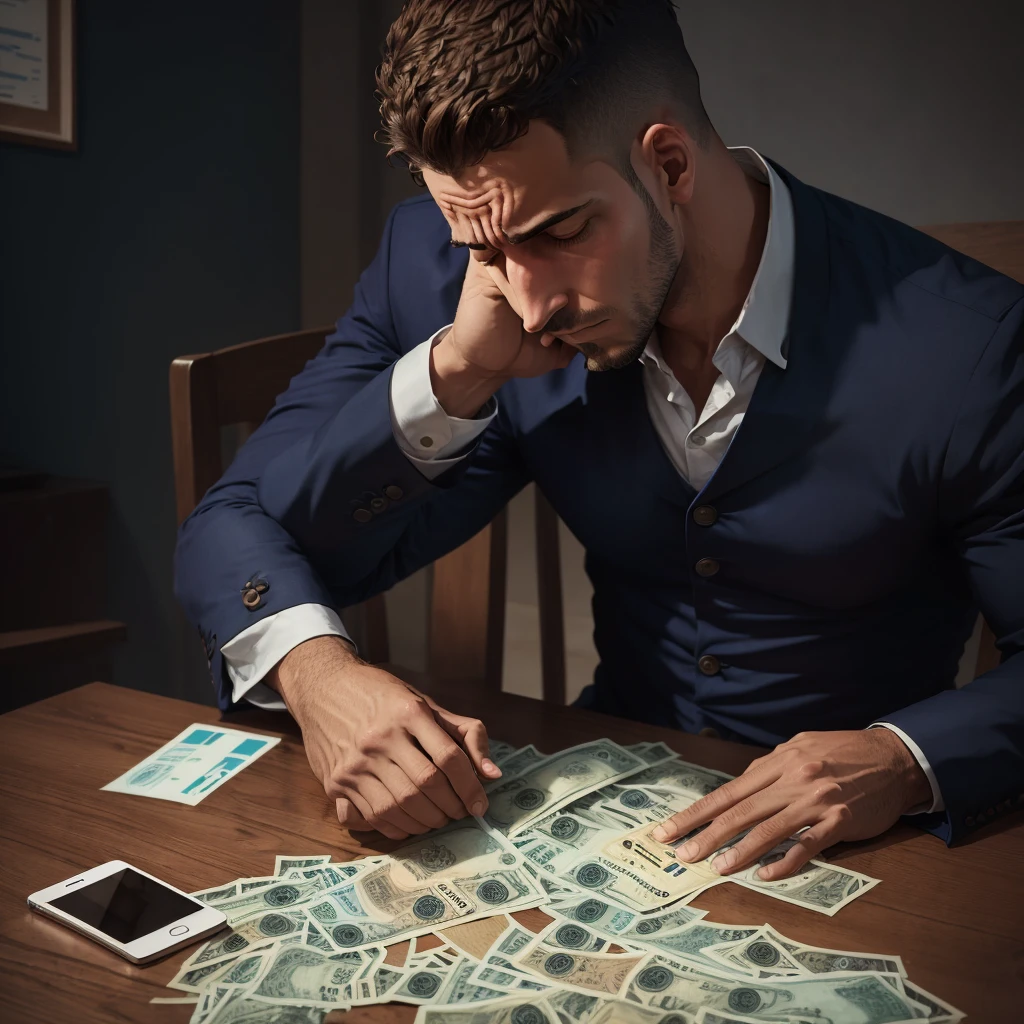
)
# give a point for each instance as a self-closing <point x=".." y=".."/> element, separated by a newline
<point x="378" y="504"/>
<point x="394" y="492"/>
<point x="969" y="822"/>
<point x="426" y="442"/>
<point x="251" y="598"/>
<point x="362" y="515"/>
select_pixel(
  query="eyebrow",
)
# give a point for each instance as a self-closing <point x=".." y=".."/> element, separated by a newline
<point x="525" y="236"/>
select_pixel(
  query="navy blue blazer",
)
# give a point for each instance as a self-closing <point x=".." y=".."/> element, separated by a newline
<point x="870" y="504"/>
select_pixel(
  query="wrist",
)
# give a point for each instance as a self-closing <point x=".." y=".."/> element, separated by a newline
<point x="460" y="388"/>
<point x="912" y="780"/>
<point x="307" y="663"/>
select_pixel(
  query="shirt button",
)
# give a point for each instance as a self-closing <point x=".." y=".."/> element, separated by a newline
<point x="704" y="515"/>
<point x="362" y="515"/>
<point x="426" y="442"/>
<point x="697" y="440"/>
<point x="709" y="665"/>
<point x="706" y="567"/>
<point x="394" y="492"/>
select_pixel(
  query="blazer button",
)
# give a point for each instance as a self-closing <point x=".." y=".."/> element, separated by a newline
<point x="709" y="730"/>
<point x="251" y="598"/>
<point x="709" y="665"/>
<point x="378" y="504"/>
<point x="706" y="567"/>
<point x="705" y="515"/>
<point x="362" y="515"/>
<point x="394" y="492"/>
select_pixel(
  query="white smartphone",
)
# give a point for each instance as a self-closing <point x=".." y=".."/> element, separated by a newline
<point x="128" y="911"/>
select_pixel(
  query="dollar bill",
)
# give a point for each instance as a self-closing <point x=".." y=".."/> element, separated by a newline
<point x="300" y="974"/>
<point x="818" y="960"/>
<point x="555" y="781"/>
<point x="283" y="864"/>
<point x="824" y="888"/>
<point x="508" y="1010"/>
<point x="693" y="939"/>
<point x="595" y="972"/>
<point x="690" y="780"/>
<point x="670" y="984"/>
<point x="639" y="872"/>
<point x="257" y="931"/>
<point x="239" y="1008"/>
<point x="615" y="922"/>
<point x="758" y="955"/>
<point x="277" y="896"/>
<point x="218" y="892"/>
<point x="458" y="874"/>
<point x="518" y="761"/>
<point x="571" y="935"/>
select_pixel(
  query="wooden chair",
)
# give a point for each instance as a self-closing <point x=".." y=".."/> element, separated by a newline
<point x="235" y="388"/>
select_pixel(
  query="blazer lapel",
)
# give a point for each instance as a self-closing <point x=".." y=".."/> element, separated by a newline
<point x="787" y="406"/>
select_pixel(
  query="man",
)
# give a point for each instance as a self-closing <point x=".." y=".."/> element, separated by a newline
<point x="788" y="430"/>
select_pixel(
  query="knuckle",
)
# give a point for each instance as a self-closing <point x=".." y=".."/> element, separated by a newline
<point x="810" y="770"/>
<point x="827" y="792"/>
<point x="448" y="755"/>
<point x="427" y="777"/>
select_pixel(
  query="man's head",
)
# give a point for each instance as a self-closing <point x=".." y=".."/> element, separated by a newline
<point x="579" y="117"/>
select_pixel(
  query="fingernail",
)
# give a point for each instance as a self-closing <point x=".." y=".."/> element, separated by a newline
<point x="477" y="809"/>
<point x="490" y="768"/>
<point x="764" y="874"/>
<point x="660" y="833"/>
<point x="723" y="862"/>
<point x="688" y="851"/>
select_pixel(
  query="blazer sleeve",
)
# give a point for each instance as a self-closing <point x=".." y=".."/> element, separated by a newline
<point x="974" y="737"/>
<point x="320" y="501"/>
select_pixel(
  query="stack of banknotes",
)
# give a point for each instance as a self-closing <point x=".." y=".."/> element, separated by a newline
<point x="569" y="832"/>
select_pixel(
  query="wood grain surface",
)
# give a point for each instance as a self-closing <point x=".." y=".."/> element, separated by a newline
<point x="953" y="915"/>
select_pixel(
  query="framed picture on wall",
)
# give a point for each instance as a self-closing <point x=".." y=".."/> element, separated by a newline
<point x="37" y="72"/>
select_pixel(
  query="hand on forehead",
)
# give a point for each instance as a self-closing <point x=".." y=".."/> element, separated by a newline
<point x="479" y="217"/>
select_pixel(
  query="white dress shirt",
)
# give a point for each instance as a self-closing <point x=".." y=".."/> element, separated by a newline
<point x="695" y="443"/>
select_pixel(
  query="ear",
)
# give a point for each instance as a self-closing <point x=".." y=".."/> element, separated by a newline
<point x="668" y="154"/>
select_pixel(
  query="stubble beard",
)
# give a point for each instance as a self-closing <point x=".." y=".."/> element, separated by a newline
<point x="663" y="264"/>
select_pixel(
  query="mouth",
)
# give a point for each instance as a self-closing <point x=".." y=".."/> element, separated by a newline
<point x="567" y="335"/>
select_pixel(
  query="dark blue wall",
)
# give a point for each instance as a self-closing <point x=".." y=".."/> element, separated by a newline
<point x="173" y="229"/>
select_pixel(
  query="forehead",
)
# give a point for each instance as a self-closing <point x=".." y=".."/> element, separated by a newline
<point x="521" y="182"/>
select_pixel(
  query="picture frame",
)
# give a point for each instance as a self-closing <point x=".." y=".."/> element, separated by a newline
<point x="37" y="73"/>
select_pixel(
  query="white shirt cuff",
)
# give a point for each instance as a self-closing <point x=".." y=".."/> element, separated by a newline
<point x="429" y="437"/>
<point x="251" y="654"/>
<point x="938" y="804"/>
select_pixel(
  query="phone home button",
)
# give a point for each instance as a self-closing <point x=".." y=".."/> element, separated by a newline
<point x="178" y="930"/>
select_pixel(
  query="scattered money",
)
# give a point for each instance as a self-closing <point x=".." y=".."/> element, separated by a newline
<point x="571" y="832"/>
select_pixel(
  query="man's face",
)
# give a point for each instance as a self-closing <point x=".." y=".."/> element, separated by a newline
<point x="596" y="279"/>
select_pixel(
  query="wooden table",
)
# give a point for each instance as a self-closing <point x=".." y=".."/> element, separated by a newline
<point x="954" y="915"/>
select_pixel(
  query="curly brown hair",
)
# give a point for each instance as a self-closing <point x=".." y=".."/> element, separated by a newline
<point x="461" y="78"/>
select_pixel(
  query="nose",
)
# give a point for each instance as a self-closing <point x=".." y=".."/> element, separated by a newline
<point x="539" y="297"/>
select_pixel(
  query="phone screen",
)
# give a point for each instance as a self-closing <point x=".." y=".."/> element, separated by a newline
<point x="126" y="905"/>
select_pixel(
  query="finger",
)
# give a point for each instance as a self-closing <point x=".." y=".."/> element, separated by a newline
<point x="730" y="824"/>
<point x="762" y="839"/>
<point x="716" y="803"/>
<point x="471" y="735"/>
<point x="443" y="750"/>
<point x="409" y="796"/>
<point x="807" y="845"/>
<point x="349" y="817"/>
<point x="430" y="780"/>
<point x="374" y="803"/>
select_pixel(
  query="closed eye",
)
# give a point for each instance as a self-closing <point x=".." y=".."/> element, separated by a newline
<point x="580" y="236"/>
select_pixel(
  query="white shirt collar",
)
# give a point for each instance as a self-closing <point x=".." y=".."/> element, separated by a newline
<point x="764" y="317"/>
